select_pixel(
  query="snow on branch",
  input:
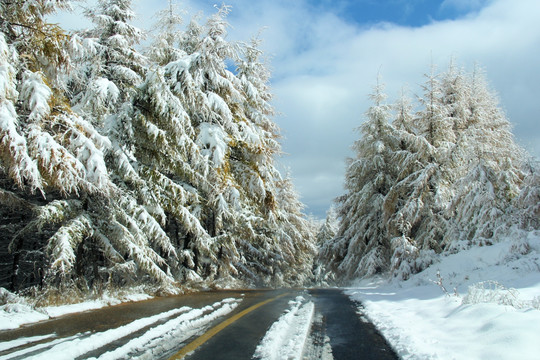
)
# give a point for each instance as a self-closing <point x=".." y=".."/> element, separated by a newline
<point x="61" y="246"/>
<point x="61" y="169"/>
<point x="214" y="143"/>
<point x="35" y="95"/>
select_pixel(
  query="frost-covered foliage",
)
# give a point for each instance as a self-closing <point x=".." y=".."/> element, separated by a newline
<point x="368" y="180"/>
<point x="121" y="168"/>
<point x="426" y="181"/>
<point x="107" y="66"/>
<point x="529" y="197"/>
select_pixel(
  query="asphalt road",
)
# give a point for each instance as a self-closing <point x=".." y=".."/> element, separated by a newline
<point x="337" y="328"/>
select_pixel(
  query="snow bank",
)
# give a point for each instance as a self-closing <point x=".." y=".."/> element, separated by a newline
<point x="286" y="337"/>
<point x="480" y="303"/>
<point x="16" y="311"/>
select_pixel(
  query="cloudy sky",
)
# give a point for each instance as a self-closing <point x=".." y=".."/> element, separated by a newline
<point x="325" y="56"/>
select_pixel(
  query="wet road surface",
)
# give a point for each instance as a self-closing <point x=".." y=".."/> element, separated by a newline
<point x="351" y="335"/>
<point x="337" y="330"/>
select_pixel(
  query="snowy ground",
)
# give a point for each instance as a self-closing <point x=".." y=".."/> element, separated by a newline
<point x="481" y="303"/>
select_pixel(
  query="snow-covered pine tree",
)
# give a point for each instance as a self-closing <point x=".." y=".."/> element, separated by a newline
<point x="168" y="169"/>
<point x="458" y="176"/>
<point x="165" y="46"/>
<point x="295" y="237"/>
<point x="44" y="146"/>
<point x="369" y="178"/>
<point x="328" y="230"/>
<point x="108" y="67"/>
<point x="435" y="124"/>
<point x="284" y="235"/>
<point x="325" y="246"/>
<point x="193" y="71"/>
<point x="230" y="116"/>
<point x="403" y="204"/>
<point x="489" y="166"/>
<point x="127" y="242"/>
<point x="207" y="92"/>
<point x="416" y="206"/>
<point x="528" y="201"/>
<point x="172" y="175"/>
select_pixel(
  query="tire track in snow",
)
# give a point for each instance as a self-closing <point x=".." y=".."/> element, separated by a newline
<point x="81" y="344"/>
<point x="7" y="345"/>
<point x="287" y="337"/>
<point x="24" y="351"/>
<point x="318" y="343"/>
<point x="165" y="338"/>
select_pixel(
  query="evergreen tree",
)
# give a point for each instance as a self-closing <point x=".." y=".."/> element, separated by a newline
<point x="158" y="171"/>
<point x="416" y="207"/>
<point x="456" y="174"/>
<point x="44" y="147"/>
<point x="327" y="248"/>
<point x="528" y="201"/>
<point x="108" y="67"/>
<point x="295" y="237"/>
<point x="489" y="167"/>
<point x="329" y="228"/>
<point x="369" y="178"/>
<point x="165" y="46"/>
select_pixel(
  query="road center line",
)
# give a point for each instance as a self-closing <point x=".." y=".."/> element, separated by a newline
<point x="192" y="346"/>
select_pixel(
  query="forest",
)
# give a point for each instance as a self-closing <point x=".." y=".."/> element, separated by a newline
<point x="121" y="166"/>
<point x="435" y="176"/>
<point x="125" y="163"/>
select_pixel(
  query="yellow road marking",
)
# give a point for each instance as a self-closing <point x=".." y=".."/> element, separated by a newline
<point x="192" y="346"/>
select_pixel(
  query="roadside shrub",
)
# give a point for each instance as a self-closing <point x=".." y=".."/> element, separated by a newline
<point x="492" y="292"/>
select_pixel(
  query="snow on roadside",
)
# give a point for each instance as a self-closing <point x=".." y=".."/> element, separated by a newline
<point x="480" y="303"/>
<point x="16" y="311"/>
<point x="286" y="337"/>
<point x="18" y="342"/>
<point x="56" y="311"/>
<point x="81" y="345"/>
<point x="179" y="324"/>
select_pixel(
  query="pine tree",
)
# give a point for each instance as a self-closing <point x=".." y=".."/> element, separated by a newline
<point x="416" y="206"/>
<point x="456" y="175"/>
<point x="44" y="145"/>
<point x="109" y="68"/>
<point x="158" y="171"/>
<point x="165" y="46"/>
<point x="369" y="178"/>
<point x="490" y="168"/>
<point x="326" y="248"/>
<point x="328" y="230"/>
<point x="528" y="201"/>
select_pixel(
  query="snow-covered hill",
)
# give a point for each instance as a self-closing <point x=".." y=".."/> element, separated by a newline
<point x="480" y="303"/>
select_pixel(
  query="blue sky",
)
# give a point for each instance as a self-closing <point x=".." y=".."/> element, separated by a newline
<point x="325" y="56"/>
<point x="400" y="12"/>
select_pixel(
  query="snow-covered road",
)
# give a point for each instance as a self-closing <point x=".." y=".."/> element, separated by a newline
<point x="278" y="324"/>
<point x="155" y="336"/>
